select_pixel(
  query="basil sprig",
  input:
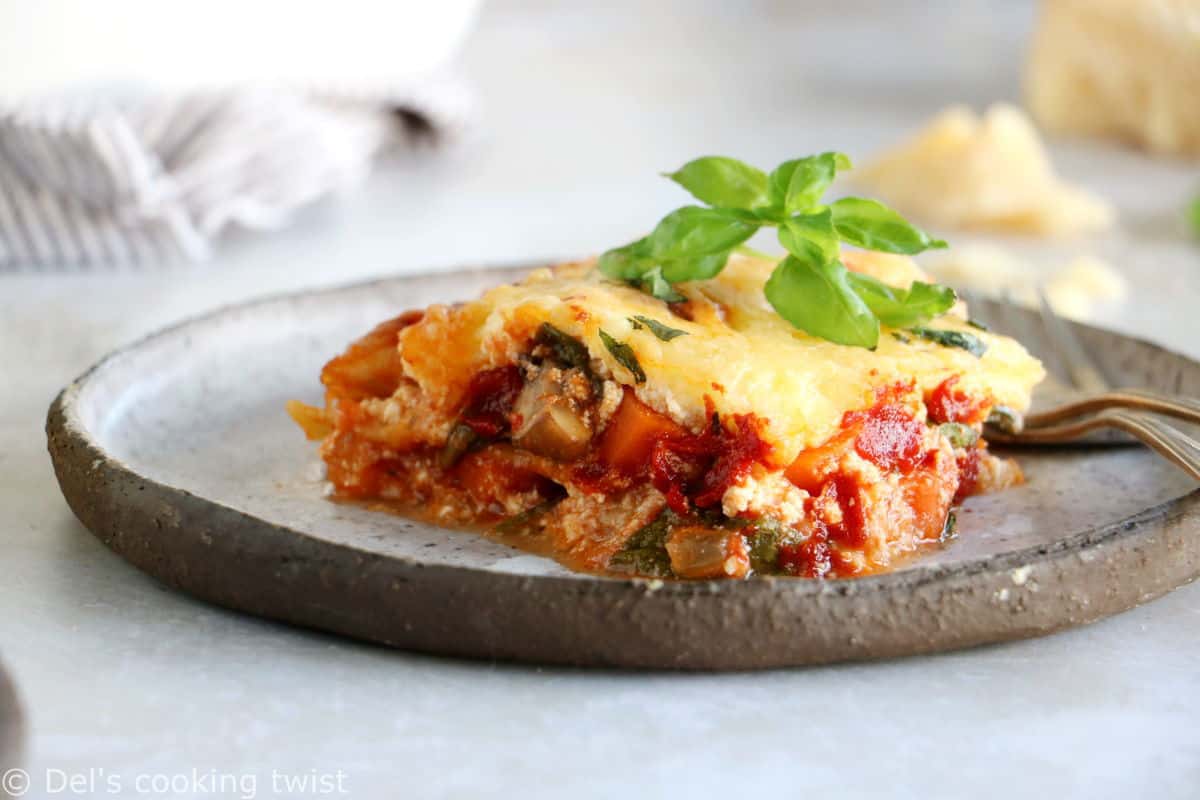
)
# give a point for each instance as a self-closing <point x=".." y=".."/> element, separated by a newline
<point x="810" y="288"/>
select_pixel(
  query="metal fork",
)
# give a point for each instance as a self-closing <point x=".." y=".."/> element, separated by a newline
<point x="1087" y="402"/>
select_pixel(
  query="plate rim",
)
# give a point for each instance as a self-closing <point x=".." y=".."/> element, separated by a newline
<point x="100" y="488"/>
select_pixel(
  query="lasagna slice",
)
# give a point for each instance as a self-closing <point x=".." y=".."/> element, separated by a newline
<point x="705" y="438"/>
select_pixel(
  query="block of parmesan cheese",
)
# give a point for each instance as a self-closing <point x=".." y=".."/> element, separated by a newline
<point x="988" y="172"/>
<point x="1127" y="69"/>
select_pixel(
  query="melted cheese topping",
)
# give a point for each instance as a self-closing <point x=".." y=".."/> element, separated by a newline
<point x="738" y="351"/>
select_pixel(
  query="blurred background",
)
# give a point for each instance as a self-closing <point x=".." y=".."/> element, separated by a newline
<point x="158" y="160"/>
<point x="220" y="152"/>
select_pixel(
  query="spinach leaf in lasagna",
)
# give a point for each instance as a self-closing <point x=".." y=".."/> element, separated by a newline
<point x="950" y="338"/>
<point x="567" y="350"/>
<point x="663" y="332"/>
<point x="645" y="553"/>
<point x="763" y="540"/>
<point x="950" y="527"/>
<point x="624" y="355"/>
<point x="960" y="435"/>
<point x="524" y="523"/>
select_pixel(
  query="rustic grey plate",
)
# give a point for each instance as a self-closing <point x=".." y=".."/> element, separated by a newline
<point x="176" y="452"/>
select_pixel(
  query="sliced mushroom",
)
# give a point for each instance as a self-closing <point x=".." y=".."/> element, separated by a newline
<point x="547" y="421"/>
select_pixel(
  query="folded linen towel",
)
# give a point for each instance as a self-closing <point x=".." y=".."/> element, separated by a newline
<point x="152" y="179"/>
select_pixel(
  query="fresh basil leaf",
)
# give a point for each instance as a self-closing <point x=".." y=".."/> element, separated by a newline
<point x="689" y="244"/>
<point x="948" y="338"/>
<point x="624" y="355"/>
<point x="874" y="226"/>
<point x="798" y="185"/>
<point x="903" y="308"/>
<point x="659" y="287"/>
<point x="663" y="332"/>
<point x="934" y="298"/>
<point x="810" y="237"/>
<point x="1194" y="215"/>
<point x="810" y="287"/>
<point x="721" y="181"/>
<point x="693" y="231"/>
<point x="694" y="269"/>
<point x="756" y="216"/>
<point x="817" y="298"/>
<point x="627" y="263"/>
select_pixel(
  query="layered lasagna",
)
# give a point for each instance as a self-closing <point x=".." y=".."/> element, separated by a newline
<point x="703" y="438"/>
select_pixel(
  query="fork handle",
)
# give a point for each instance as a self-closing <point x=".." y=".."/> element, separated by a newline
<point x="1171" y="443"/>
<point x="1182" y="408"/>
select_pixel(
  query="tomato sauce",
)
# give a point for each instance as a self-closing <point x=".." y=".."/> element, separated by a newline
<point x="490" y="398"/>
<point x="968" y="473"/>
<point x="847" y="535"/>
<point x="738" y="446"/>
<point x="852" y="531"/>
<point x="811" y="558"/>
<point x="889" y="436"/>
<point x="688" y="468"/>
<point x="949" y="404"/>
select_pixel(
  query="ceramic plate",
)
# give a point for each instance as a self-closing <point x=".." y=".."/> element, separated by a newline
<point x="177" y="453"/>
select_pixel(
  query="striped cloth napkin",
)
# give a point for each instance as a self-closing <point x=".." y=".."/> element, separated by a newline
<point x="154" y="179"/>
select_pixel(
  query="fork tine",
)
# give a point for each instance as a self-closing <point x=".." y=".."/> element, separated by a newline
<point x="1080" y="369"/>
<point x="1010" y="323"/>
<point x="976" y="308"/>
<point x="1172" y="443"/>
<point x="1012" y="319"/>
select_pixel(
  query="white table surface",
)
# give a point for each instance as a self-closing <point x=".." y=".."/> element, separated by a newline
<point x="582" y="108"/>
